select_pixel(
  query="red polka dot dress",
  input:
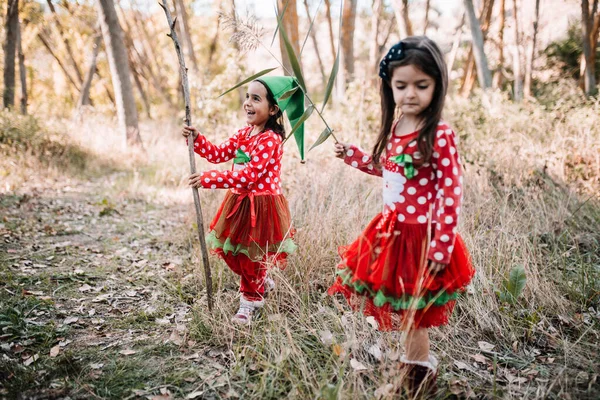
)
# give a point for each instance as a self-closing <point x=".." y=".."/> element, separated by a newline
<point x="253" y="225"/>
<point x="384" y="272"/>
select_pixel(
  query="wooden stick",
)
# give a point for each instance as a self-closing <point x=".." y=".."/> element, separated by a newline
<point x="188" y="121"/>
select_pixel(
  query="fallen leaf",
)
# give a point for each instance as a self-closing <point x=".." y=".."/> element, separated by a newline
<point x="480" y="358"/>
<point x="31" y="360"/>
<point x="371" y="320"/>
<point x="85" y="288"/>
<point x="64" y="343"/>
<point x="127" y="352"/>
<point x="384" y="391"/>
<point x="194" y="395"/>
<point x="357" y="365"/>
<point x="131" y="293"/>
<point x="175" y="338"/>
<point x="54" y="351"/>
<point x="337" y="350"/>
<point x="70" y="320"/>
<point x="375" y="351"/>
<point x="461" y="365"/>
<point x="485" y="346"/>
<point x="96" y="366"/>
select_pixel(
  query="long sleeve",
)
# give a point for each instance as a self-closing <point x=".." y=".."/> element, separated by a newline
<point x="357" y="158"/>
<point x="447" y="206"/>
<point x="263" y="156"/>
<point x="217" y="154"/>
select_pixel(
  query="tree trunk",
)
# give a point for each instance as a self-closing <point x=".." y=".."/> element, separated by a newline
<point x="22" y="71"/>
<point x="84" y="94"/>
<point x="587" y="18"/>
<point x="500" y="70"/>
<point x="313" y="37"/>
<point x="455" y="44"/>
<point x="330" y="25"/>
<point x="187" y="37"/>
<point x="212" y="49"/>
<point x="470" y="71"/>
<point x="290" y="24"/>
<point x="10" y="48"/>
<point x="426" y="21"/>
<point x="120" y="72"/>
<point x="531" y="52"/>
<point x="374" y="47"/>
<point x="483" y="71"/>
<point x="348" y="26"/>
<point x="66" y="42"/>
<point x="518" y="80"/>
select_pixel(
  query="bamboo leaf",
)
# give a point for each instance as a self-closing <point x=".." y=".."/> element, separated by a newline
<point x="312" y="21"/>
<point x="331" y="82"/>
<point x="303" y="118"/>
<point x="279" y="18"/>
<point x="288" y="93"/>
<point x="253" y="77"/>
<point x="322" y="137"/>
<point x="292" y="56"/>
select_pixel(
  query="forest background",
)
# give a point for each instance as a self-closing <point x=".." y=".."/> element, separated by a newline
<point x="102" y="292"/>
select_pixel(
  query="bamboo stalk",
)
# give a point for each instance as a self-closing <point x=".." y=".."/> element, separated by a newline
<point x="188" y="121"/>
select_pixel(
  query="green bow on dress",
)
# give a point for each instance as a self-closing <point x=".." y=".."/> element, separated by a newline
<point x="405" y="160"/>
<point x="241" y="157"/>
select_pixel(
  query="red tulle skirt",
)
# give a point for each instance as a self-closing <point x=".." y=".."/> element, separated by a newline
<point x="257" y="226"/>
<point x="384" y="273"/>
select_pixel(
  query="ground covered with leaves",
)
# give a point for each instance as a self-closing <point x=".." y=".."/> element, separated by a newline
<point x="102" y="296"/>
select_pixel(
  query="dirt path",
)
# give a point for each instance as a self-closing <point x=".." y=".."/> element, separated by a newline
<point x="98" y="299"/>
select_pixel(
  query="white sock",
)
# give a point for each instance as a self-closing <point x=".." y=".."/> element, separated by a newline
<point x="432" y="363"/>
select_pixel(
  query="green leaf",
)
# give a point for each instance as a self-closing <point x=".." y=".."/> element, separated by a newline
<point x="303" y="118"/>
<point x="322" y="137"/>
<point x="253" y="77"/>
<point x="312" y="21"/>
<point x="288" y="93"/>
<point x="330" y="83"/>
<point x="514" y="285"/>
<point x="292" y="56"/>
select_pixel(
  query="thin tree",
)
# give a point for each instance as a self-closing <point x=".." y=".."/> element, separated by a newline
<point x="330" y="26"/>
<point x="10" y="48"/>
<point x="518" y="80"/>
<point x="212" y="49"/>
<point x="589" y="46"/>
<point x="483" y="72"/>
<point x="290" y="24"/>
<point x="313" y="36"/>
<point x="22" y="71"/>
<point x="426" y="21"/>
<point x="498" y="75"/>
<point x="347" y="42"/>
<point x="120" y="72"/>
<point x="67" y="43"/>
<point x="182" y="16"/>
<point x="403" y="18"/>
<point x="470" y="70"/>
<point x="84" y="94"/>
<point x="42" y="37"/>
<point x="531" y="52"/>
<point x="374" y="47"/>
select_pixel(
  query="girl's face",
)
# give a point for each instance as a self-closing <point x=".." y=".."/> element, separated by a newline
<point x="412" y="88"/>
<point x="257" y="107"/>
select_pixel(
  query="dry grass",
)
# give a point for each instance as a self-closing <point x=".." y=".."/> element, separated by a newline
<point x="531" y="199"/>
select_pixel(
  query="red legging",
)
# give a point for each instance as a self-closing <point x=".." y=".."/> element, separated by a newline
<point x="252" y="273"/>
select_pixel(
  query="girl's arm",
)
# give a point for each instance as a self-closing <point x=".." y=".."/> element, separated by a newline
<point x="217" y="154"/>
<point x="447" y="206"/>
<point x="357" y="158"/>
<point x="261" y="157"/>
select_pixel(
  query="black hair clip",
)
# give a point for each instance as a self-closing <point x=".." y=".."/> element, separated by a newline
<point x="396" y="53"/>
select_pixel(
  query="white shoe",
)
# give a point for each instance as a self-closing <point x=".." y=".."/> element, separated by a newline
<point x="244" y="314"/>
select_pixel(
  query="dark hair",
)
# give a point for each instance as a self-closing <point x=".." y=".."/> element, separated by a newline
<point x="425" y="55"/>
<point x="275" y="122"/>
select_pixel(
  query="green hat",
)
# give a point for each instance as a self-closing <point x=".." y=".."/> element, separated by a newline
<point x="293" y="105"/>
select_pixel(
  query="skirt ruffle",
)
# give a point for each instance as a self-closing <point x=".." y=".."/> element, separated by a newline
<point x="384" y="273"/>
<point x="257" y="226"/>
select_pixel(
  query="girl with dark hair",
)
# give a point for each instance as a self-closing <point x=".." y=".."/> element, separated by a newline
<point x="252" y="228"/>
<point x="409" y="265"/>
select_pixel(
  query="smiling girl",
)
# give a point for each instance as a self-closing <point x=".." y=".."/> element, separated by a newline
<point x="409" y="265"/>
<point x="252" y="228"/>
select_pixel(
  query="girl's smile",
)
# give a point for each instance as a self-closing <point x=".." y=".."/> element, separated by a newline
<point x="257" y="106"/>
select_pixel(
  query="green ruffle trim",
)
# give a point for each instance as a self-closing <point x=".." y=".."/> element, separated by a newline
<point x="287" y="246"/>
<point x="405" y="302"/>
